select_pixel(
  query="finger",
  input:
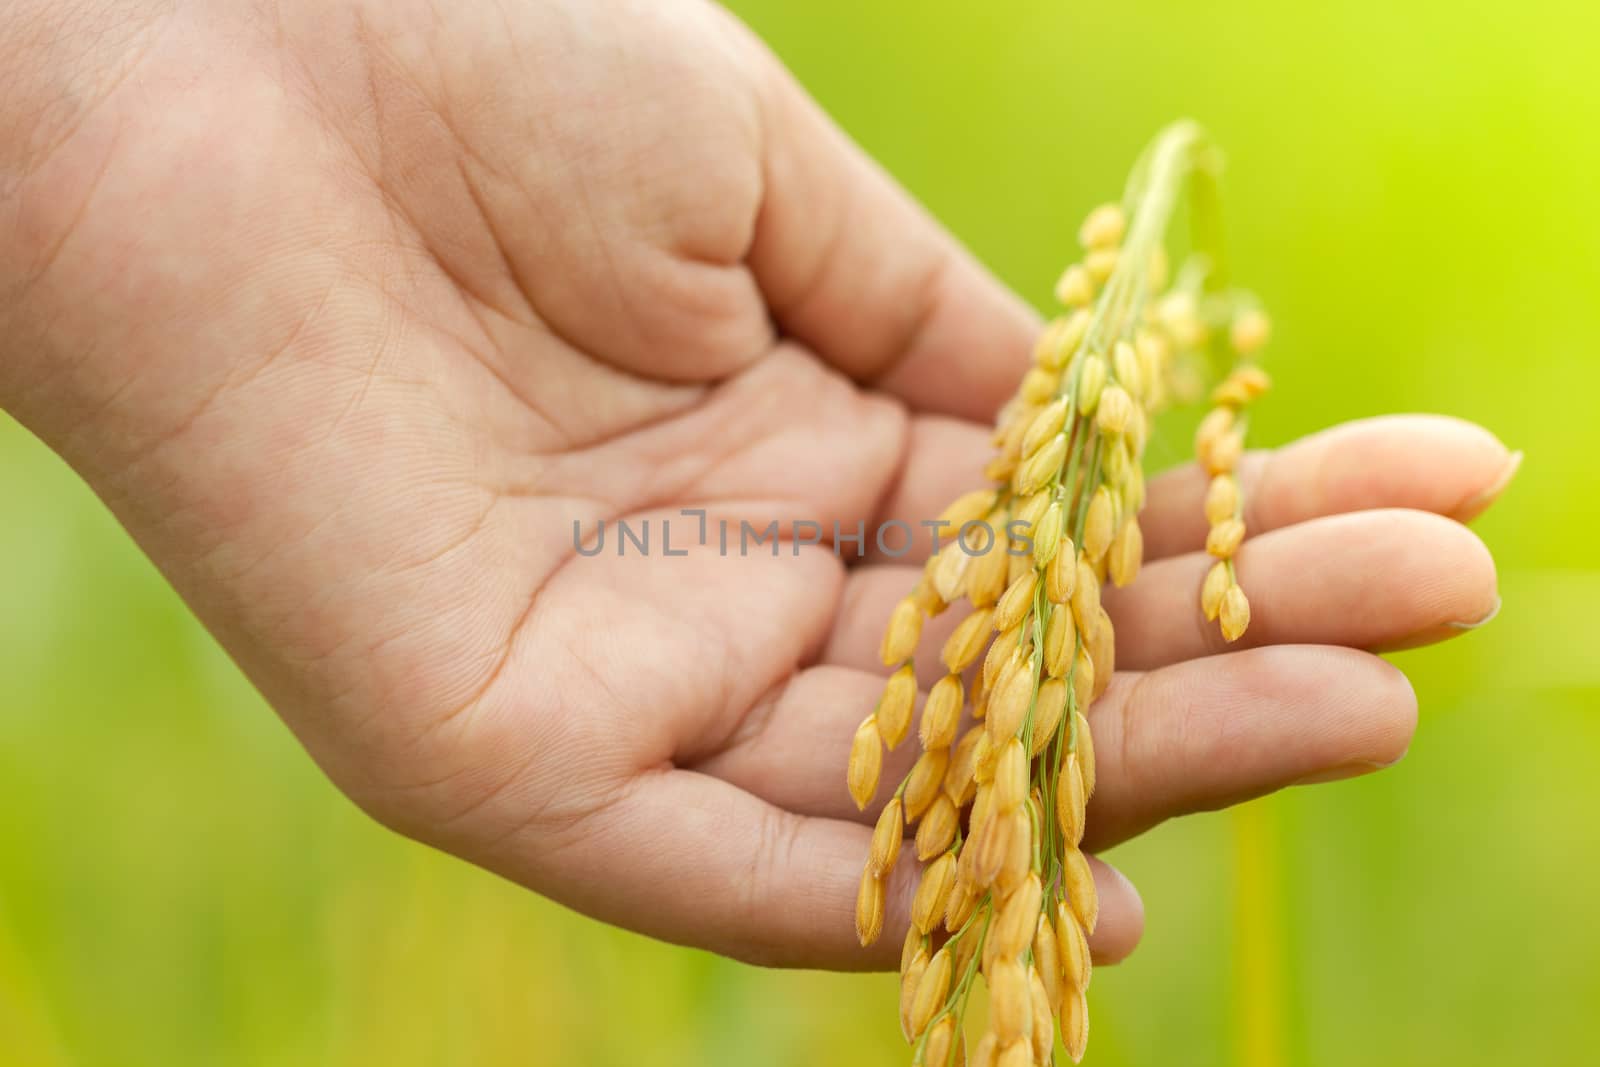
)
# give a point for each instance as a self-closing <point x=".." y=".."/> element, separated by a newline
<point x="1212" y="732"/>
<point x="1191" y="737"/>
<point x="692" y="859"/>
<point x="852" y="266"/>
<point x="944" y="458"/>
<point x="1372" y="579"/>
<point x="870" y="593"/>
<point x="792" y="748"/>
<point x="1121" y="922"/>
<point x="1381" y="579"/>
<point x="1427" y="462"/>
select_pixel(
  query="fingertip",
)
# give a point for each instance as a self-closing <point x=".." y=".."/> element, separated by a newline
<point x="1121" y="924"/>
<point x="1484" y="498"/>
<point x="1455" y="583"/>
<point x="1382" y="717"/>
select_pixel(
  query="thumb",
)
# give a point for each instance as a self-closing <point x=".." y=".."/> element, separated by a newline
<point x="854" y="268"/>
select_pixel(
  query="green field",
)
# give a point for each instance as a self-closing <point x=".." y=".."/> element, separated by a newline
<point x="1411" y="189"/>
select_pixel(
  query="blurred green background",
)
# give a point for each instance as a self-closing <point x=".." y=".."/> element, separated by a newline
<point x="1411" y="189"/>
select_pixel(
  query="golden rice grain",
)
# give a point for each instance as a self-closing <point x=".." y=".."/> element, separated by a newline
<point x="1047" y="536"/>
<point x="1081" y="892"/>
<point x="986" y="574"/>
<point x="1250" y="332"/>
<point x="1217" y="422"/>
<point x="1115" y="413"/>
<point x="1071" y="797"/>
<point x="1044" y="1030"/>
<point x="1003" y="652"/>
<point x="1073" y="948"/>
<point x="922" y="784"/>
<point x="1224" y="538"/>
<point x="960" y="781"/>
<point x="1222" y="499"/>
<point x="1133" y="491"/>
<point x="1091" y="381"/>
<point x="932" y="990"/>
<point x="1126" y="365"/>
<point x="1060" y="640"/>
<point x="1038" y="386"/>
<point x="983" y="761"/>
<point x="1019" y="852"/>
<point x="1103" y="227"/>
<point x="1048" y="710"/>
<point x="1029" y="510"/>
<point x="900" y="638"/>
<point x="1011" y="777"/>
<point x="941" y="713"/>
<point x="1218" y="579"/>
<point x="1044" y="426"/>
<point x="910" y="981"/>
<point x="1018" y="918"/>
<point x="959" y="907"/>
<point x="1074" y="329"/>
<point x="1249" y="381"/>
<point x="968" y="507"/>
<point x="1017" y="600"/>
<point x="937" y="830"/>
<point x="991" y="844"/>
<point x="1223" y="455"/>
<point x="1116" y="462"/>
<point x="1061" y="576"/>
<point x="1101" y="263"/>
<point x="1075" y="1024"/>
<point x="866" y="762"/>
<point x="1047" y="957"/>
<point x="1084" y="680"/>
<point x="895" y="706"/>
<point x="1008" y="707"/>
<point x="869" y="908"/>
<point x="1047" y="349"/>
<point x="1235" y="614"/>
<point x="927" y="598"/>
<point x="1010" y="1002"/>
<point x="1126" y="554"/>
<point x="1085" y="752"/>
<point x="886" y="838"/>
<point x="1074" y="289"/>
<point x="967" y="640"/>
<point x="942" y="1048"/>
<point x="1037" y="470"/>
<point x="909" y="947"/>
<point x="1085" y="596"/>
<point x="949" y="571"/>
<point x="1097" y="524"/>
<point x="1018" y="1053"/>
<point x="1000" y="467"/>
<point x="928" y="904"/>
<point x="1102" y="648"/>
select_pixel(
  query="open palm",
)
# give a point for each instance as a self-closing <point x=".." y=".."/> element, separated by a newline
<point x="352" y="311"/>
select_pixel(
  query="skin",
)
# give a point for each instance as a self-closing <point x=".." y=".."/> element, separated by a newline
<point x="349" y="309"/>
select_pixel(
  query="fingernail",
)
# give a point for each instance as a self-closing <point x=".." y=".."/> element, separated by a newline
<point x="1486" y="620"/>
<point x="1475" y="504"/>
<point x="1354" y="769"/>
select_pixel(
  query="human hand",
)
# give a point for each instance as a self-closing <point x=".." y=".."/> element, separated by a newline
<point x="351" y="310"/>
